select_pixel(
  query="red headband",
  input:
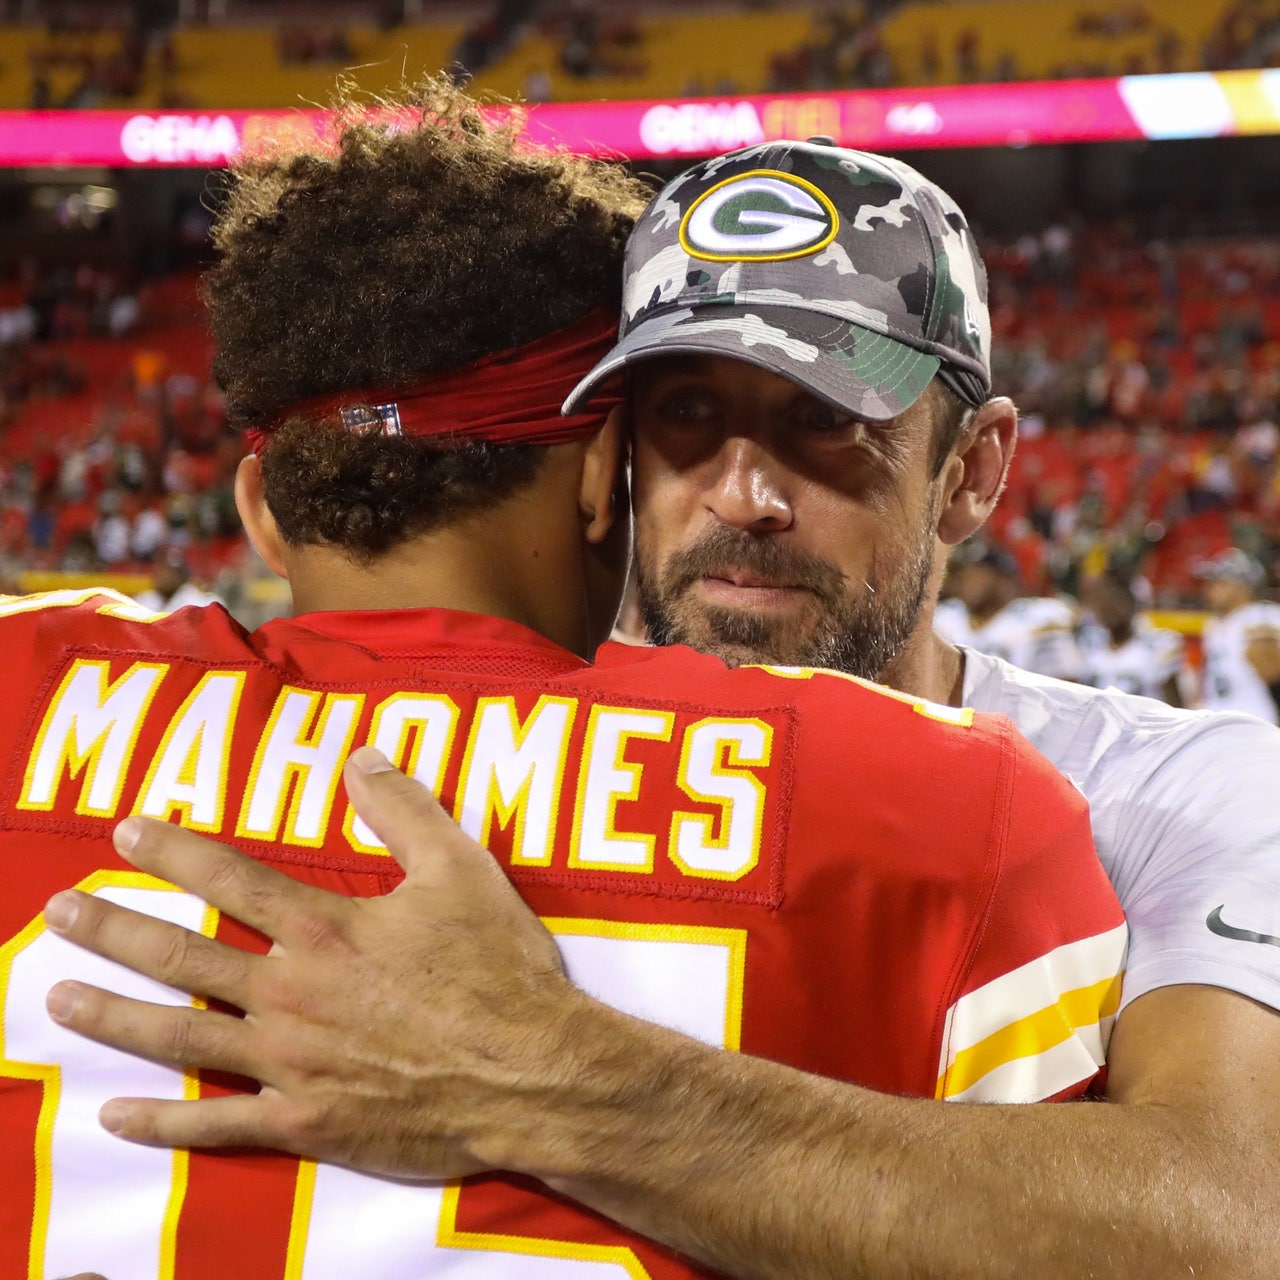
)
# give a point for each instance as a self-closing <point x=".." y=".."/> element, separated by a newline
<point x="510" y="397"/>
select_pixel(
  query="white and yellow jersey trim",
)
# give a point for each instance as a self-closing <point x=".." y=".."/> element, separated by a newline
<point x="114" y="604"/>
<point x="1038" y="1029"/>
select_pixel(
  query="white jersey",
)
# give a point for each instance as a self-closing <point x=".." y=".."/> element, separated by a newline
<point x="185" y="595"/>
<point x="1184" y="817"/>
<point x="1144" y="664"/>
<point x="1230" y="682"/>
<point x="1033" y="632"/>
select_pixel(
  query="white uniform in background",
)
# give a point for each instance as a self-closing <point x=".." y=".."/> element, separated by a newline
<point x="186" y="594"/>
<point x="1184" y="814"/>
<point x="1230" y="682"/>
<point x="1032" y="632"/>
<point x="1144" y="664"/>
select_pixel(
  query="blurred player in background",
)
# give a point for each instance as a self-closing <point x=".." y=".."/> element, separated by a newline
<point x="1241" y="640"/>
<point x="172" y="588"/>
<point x="698" y="839"/>
<point x="989" y="613"/>
<point x="1121" y="649"/>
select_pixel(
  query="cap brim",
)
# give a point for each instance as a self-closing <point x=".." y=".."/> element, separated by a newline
<point x="1226" y="575"/>
<point x="852" y="368"/>
<point x="1215" y="570"/>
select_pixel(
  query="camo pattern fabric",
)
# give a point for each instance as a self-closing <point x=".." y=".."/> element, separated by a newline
<point x="847" y="272"/>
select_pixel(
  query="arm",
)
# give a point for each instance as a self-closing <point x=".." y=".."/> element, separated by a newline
<point x="440" y="1011"/>
<point x="792" y="1175"/>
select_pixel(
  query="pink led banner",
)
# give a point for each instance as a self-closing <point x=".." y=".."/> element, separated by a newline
<point x="1202" y="104"/>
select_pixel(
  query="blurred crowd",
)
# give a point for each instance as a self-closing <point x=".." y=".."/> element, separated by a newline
<point x="114" y="454"/>
<point x="116" y="497"/>
<point x="1148" y="377"/>
<point x="299" y="44"/>
<point x="846" y="48"/>
<point x="95" y="74"/>
<point x="94" y="63"/>
<point x="45" y="304"/>
<point x="1106" y="638"/>
<point x="1147" y="373"/>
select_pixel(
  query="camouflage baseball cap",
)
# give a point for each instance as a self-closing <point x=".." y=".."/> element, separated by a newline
<point x="846" y="272"/>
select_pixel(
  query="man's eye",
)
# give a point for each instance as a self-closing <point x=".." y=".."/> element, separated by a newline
<point x="686" y="407"/>
<point x="823" y="418"/>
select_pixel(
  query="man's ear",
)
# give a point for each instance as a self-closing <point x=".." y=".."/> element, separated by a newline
<point x="603" y="495"/>
<point x="256" y="516"/>
<point x="973" y="477"/>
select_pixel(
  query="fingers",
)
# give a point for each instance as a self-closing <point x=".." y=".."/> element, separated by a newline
<point x="240" y="1120"/>
<point x="403" y="813"/>
<point x="259" y="896"/>
<point x="161" y="1033"/>
<point x="161" y="950"/>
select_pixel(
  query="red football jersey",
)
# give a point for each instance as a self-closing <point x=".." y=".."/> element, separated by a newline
<point x="789" y="863"/>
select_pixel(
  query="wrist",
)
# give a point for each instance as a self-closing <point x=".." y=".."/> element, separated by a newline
<point x="590" y="1093"/>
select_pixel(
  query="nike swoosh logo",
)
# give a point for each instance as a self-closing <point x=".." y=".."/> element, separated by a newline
<point x="1214" y="921"/>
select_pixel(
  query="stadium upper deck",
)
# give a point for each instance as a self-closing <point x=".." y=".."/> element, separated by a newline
<point x="573" y="51"/>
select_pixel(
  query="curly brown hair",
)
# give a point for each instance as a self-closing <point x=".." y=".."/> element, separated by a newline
<point x="414" y="245"/>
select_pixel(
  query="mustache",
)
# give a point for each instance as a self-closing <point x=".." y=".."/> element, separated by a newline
<point x="724" y="550"/>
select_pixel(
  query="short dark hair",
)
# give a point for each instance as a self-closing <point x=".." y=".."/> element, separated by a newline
<point x="410" y="248"/>
<point x="1118" y="580"/>
<point x="950" y="417"/>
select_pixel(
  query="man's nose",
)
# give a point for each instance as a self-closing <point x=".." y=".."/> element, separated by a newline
<point x="748" y="488"/>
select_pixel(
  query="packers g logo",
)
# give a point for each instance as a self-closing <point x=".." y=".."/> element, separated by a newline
<point x="761" y="216"/>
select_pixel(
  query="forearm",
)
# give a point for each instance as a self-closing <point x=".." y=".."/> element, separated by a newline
<point x="762" y="1172"/>
<point x="431" y="1033"/>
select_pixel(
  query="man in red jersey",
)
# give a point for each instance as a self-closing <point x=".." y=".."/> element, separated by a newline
<point x="794" y="864"/>
<point x="841" y="1181"/>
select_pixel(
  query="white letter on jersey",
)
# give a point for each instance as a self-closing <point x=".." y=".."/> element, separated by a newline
<point x="93" y="726"/>
<point x="295" y="756"/>
<point x="606" y="778"/>
<point x="515" y="771"/>
<point x="189" y="773"/>
<point x="428" y="720"/>
<point x="706" y="778"/>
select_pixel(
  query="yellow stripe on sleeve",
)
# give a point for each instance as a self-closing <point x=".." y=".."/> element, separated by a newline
<point x="1083" y="1014"/>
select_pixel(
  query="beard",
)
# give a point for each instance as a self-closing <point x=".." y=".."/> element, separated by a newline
<point x="859" y="634"/>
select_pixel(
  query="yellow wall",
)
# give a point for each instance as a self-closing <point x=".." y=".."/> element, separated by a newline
<point x="17" y="44"/>
<point x="239" y="67"/>
<point x="675" y="50"/>
<point x="1041" y="34"/>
